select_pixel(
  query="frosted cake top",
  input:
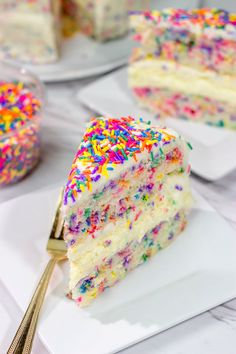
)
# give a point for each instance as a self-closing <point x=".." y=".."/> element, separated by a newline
<point x="210" y="21"/>
<point x="107" y="144"/>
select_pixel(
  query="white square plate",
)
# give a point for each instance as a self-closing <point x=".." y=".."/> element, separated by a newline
<point x="197" y="272"/>
<point x="213" y="148"/>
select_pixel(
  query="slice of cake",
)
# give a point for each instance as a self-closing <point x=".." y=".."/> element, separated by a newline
<point x="101" y="19"/>
<point x="185" y="64"/>
<point x="126" y="198"/>
<point x="30" y="30"/>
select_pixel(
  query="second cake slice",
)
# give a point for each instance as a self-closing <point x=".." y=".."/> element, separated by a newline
<point x="184" y="65"/>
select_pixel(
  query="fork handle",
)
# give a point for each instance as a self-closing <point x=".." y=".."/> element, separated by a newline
<point x="23" y="340"/>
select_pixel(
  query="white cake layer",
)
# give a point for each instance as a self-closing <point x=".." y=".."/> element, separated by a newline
<point x="116" y="19"/>
<point x="103" y="19"/>
<point x="29" y="37"/>
<point x="180" y="78"/>
<point x="84" y="258"/>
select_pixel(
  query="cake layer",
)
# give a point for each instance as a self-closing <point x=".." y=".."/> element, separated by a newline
<point x="115" y="268"/>
<point x="111" y="19"/>
<point x="202" y="38"/>
<point x="169" y="103"/>
<point x="147" y="210"/>
<point x="30" y="32"/>
<point x="102" y="19"/>
<point x="180" y="78"/>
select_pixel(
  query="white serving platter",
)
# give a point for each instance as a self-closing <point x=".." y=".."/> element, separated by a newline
<point x="196" y="273"/>
<point x="83" y="57"/>
<point x="213" y="154"/>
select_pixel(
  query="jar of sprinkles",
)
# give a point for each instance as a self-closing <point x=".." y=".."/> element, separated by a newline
<point x="21" y="103"/>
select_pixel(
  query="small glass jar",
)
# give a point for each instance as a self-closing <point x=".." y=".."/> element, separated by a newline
<point x="20" y="146"/>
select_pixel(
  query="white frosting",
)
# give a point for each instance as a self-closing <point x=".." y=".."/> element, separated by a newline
<point x="160" y="73"/>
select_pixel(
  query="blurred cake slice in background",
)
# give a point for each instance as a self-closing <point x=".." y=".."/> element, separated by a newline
<point x="101" y="19"/>
<point x="185" y="65"/>
<point x="30" y="30"/>
<point x="126" y="198"/>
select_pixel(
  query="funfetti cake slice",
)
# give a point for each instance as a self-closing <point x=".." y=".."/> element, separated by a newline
<point x="30" y="30"/>
<point x="126" y="198"/>
<point x="101" y="19"/>
<point x="185" y="65"/>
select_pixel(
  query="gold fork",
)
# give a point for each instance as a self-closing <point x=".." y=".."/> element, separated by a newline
<point x="23" y="340"/>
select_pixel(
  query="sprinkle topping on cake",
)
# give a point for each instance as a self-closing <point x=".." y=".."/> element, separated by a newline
<point x="214" y="18"/>
<point x="109" y="142"/>
<point x="184" y="65"/>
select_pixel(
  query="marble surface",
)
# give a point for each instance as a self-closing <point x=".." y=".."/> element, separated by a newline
<point x="211" y="333"/>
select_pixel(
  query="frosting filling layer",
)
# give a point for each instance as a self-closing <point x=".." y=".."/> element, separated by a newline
<point x="166" y="74"/>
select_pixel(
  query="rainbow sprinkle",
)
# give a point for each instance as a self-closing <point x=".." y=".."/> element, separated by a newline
<point x="17" y="106"/>
<point x="19" y="131"/>
<point x="205" y="17"/>
<point x="106" y="144"/>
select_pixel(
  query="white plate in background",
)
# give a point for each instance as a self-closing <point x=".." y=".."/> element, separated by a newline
<point x="135" y="308"/>
<point x="82" y="57"/>
<point x="214" y="149"/>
